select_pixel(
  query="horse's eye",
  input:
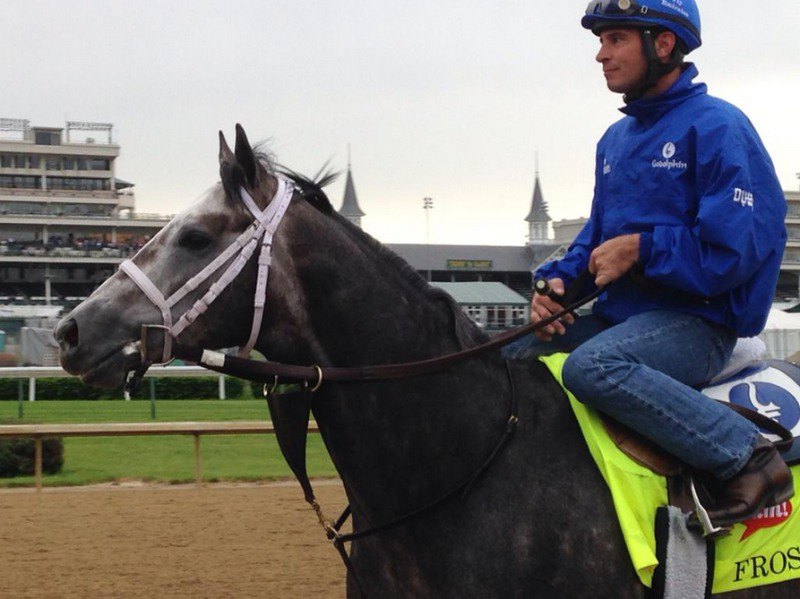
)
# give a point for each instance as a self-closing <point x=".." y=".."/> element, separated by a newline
<point x="194" y="240"/>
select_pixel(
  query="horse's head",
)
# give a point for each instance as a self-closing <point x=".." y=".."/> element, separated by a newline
<point x="332" y="292"/>
<point x="172" y="277"/>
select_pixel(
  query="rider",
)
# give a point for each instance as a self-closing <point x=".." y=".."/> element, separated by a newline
<point x="687" y="229"/>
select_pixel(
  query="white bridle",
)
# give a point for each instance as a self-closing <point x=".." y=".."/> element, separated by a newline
<point x="260" y="232"/>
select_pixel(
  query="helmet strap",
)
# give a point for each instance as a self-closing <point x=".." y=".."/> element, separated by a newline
<point x="655" y="68"/>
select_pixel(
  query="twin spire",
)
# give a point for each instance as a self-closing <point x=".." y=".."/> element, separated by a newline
<point x="538" y="218"/>
<point x="538" y="211"/>
<point x="350" y="208"/>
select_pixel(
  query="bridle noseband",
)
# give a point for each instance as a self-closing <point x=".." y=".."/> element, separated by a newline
<point x="259" y="233"/>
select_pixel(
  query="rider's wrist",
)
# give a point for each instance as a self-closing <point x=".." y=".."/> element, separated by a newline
<point x="645" y="247"/>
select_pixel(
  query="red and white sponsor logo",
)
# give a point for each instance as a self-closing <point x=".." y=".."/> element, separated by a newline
<point x="767" y="518"/>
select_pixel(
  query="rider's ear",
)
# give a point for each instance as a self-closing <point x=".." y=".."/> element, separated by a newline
<point x="665" y="44"/>
<point x="245" y="156"/>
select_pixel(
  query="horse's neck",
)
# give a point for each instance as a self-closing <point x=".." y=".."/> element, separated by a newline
<point x="395" y="443"/>
<point x="388" y="328"/>
<point x="399" y="444"/>
<point x="360" y="307"/>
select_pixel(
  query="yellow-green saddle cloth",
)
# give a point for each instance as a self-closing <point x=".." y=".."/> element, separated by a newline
<point x="764" y="550"/>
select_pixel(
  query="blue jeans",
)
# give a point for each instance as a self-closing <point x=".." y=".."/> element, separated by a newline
<point x="642" y="373"/>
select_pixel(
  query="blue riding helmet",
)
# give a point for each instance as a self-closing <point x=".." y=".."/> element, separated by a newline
<point x="681" y="17"/>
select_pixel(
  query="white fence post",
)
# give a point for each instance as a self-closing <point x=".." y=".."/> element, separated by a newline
<point x="31" y="373"/>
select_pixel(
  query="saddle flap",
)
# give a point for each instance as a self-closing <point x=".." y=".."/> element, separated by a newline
<point x="641" y="450"/>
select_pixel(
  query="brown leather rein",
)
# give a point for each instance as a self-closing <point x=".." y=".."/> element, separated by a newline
<point x="274" y="372"/>
<point x="291" y="411"/>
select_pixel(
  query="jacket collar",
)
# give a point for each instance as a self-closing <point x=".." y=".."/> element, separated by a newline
<point x="649" y="110"/>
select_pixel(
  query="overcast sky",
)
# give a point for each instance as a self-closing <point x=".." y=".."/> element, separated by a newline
<point x="448" y="99"/>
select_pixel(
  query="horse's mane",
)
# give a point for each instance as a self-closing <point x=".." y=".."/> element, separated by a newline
<point x="311" y="189"/>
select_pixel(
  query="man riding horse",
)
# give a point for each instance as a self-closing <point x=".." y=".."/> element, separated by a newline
<point x="687" y="230"/>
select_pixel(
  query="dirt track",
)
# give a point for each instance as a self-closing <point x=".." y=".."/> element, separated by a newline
<point x="142" y="541"/>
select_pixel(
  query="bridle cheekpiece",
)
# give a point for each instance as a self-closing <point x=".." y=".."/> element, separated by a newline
<point x="259" y="234"/>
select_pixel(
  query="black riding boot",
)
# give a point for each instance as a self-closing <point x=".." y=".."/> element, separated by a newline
<point x="764" y="481"/>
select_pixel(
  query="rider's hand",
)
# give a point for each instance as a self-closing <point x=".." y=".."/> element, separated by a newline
<point x="543" y="307"/>
<point x="613" y="258"/>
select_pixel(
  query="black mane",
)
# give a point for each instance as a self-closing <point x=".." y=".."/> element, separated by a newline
<point x="311" y="188"/>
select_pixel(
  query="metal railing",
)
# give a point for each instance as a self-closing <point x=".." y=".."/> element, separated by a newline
<point x="67" y="252"/>
<point x="38" y="432"/>
<point x="44" y="431"/>
<point x="61" y="193"/>
<point x="32" y="373"/>
<point x="148" y="216"/>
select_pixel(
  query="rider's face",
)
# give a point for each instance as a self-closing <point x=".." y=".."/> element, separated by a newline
<point x="624" y="64"/>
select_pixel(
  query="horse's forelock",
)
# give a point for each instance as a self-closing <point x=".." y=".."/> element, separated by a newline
<point x="264" y="157"/>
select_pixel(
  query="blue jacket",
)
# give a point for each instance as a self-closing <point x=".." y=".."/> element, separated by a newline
<point x="689" y="173"/>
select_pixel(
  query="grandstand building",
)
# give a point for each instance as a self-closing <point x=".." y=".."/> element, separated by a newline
<point x="789" y="283"/>
<point x="66" y="218"/>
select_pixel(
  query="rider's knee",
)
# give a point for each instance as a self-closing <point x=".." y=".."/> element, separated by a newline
<point x="588" y="372"/>
<point x="578" y="375"/>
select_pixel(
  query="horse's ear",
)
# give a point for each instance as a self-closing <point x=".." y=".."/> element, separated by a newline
<point x="225" y="153"/>
<point x="245" y="156"/>
<point x="230" y="173"/>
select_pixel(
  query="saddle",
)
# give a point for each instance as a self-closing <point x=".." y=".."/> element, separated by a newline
<point x="653" y="492"/>
<point x="766" y="392"/>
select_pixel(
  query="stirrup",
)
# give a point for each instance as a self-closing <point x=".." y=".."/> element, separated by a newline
<point x="709" y="530"/>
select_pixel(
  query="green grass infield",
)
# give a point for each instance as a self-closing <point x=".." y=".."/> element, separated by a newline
<point x="167" y="458"/>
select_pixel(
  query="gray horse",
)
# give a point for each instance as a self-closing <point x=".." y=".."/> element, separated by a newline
<point x="539" y="523"/>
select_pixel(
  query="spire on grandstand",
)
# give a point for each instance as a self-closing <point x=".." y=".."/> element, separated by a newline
<point x="350" y="208"/>
<point x="538" y="218"/>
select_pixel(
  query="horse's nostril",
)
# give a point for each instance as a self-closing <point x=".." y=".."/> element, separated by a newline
<point x="67" y="333"/>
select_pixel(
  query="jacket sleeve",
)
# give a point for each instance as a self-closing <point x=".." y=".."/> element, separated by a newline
<point x="576" y="259"/>
<point x="739" y="222"/>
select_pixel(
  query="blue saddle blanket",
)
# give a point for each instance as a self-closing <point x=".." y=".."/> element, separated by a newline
<point x="770" y="387"/>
